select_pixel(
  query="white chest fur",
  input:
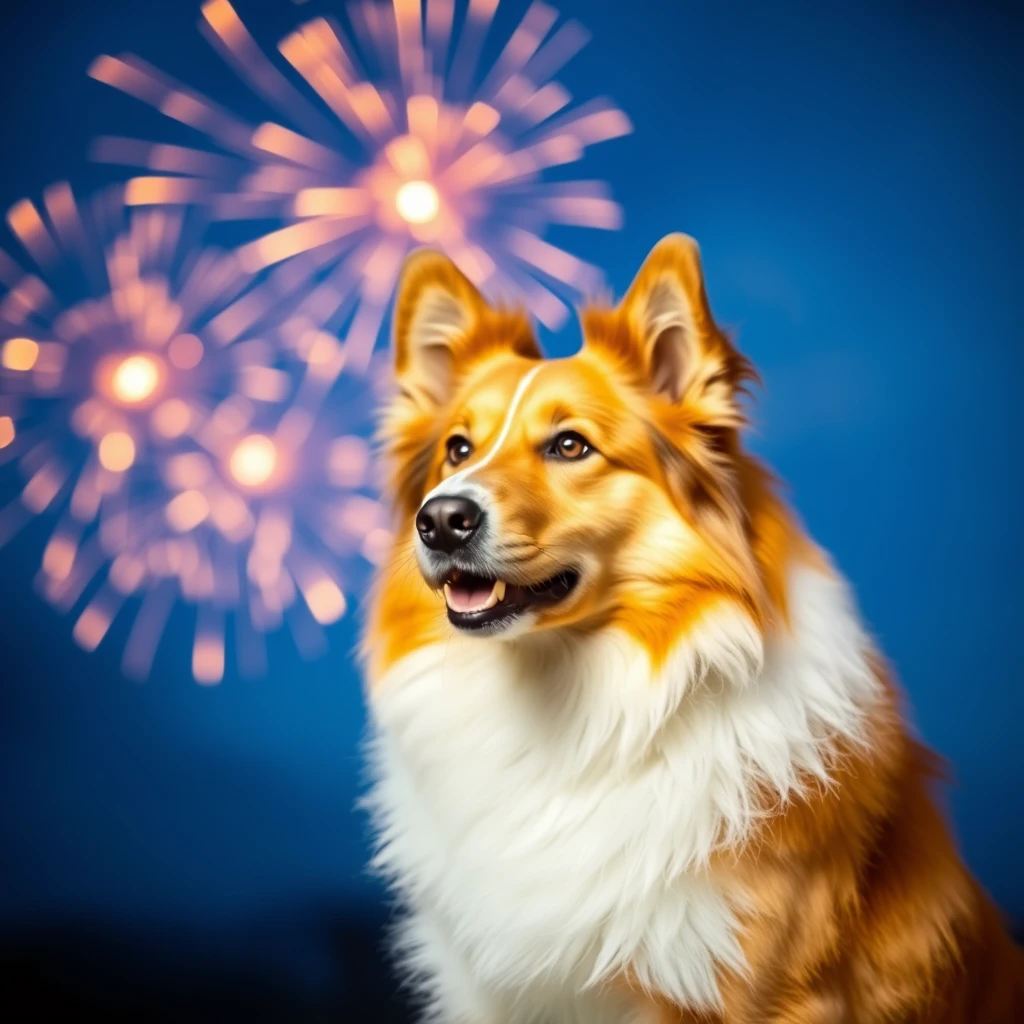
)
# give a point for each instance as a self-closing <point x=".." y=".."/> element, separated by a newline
<point x="547" y="809"/>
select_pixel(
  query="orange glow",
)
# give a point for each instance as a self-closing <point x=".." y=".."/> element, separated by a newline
<point x="369" y="107"/>
<point x="59" y="556"/>
<point x="208" y="659"/>
<point x="320" y="348"/>
<point x="42" y="488"/>
<point x="135" y="379"/>
<point x="481" y="118"/>
<point x="126" y="573"/>
<point x="279" y="141"/>
<point x="91" y="627"/>
<point x="326" y="601"/>
<point x="28" y="225"/>
<point x="181" y="107"/>
<point x="154" y="190"/>
<point x="20" y="354"/>
<point x="263" y="383"/>
<point x="331" y="202"/>
<point x="289" y="241"/>
<point x="187" y="510"/>
<point x="116" y="451"/>
<point x="253" y="461"/>
<point x="7" y="431"/>
<point x="423" y="113"/>
<point x="185" y="351"/>
<point x="417" y="202"/>
<point x="171" y="418"/>
<point x="408" y="156"/>
<point x="221" y="16"/>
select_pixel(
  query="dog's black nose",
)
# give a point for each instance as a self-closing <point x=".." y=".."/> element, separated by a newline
<point x="447" y="522"/>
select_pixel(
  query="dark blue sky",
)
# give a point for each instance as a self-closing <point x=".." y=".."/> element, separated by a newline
<point x="849" y="169"/>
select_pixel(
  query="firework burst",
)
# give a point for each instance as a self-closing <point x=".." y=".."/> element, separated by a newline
<point x="393" y="140"/>
<point x="168" y="418"/>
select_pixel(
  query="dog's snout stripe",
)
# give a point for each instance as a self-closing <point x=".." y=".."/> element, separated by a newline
<point x="445" y="486"/>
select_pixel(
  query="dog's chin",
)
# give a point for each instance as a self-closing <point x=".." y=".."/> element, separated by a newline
<point x="488" y="606"/>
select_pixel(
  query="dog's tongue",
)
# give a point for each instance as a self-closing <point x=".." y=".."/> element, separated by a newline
<point x="467" y="597"/>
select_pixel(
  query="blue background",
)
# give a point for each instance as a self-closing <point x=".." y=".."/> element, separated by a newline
<point x="849" y="169"/>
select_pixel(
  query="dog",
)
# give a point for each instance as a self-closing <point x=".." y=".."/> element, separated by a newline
<point x="634" y="755"/>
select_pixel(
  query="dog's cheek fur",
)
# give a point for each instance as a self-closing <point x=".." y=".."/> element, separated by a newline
<point x="408" y="439"/>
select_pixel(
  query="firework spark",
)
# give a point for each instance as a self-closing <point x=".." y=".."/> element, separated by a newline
<point x="169" y="417"/>
<point x="388" y="145"/>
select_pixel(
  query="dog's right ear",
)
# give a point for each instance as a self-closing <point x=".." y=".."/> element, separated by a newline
<point x="437" y="308"/>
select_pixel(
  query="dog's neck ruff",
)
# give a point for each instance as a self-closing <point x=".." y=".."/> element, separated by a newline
<point x="549" y="809"/>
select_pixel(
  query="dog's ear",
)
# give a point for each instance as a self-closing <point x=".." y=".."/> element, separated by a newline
<point x="685" y="357"/>
<point x="437" y="308"/>
<point x="442" y="327"/>
<point x="666" y="334"/>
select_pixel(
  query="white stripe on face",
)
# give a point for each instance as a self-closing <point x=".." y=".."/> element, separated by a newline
<point x="445" y="486"/>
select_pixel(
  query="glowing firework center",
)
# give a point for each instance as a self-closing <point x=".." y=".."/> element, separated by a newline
<point x="398" y="134"/>
<point x="135" y="379"/>
<point x="417" y="202"/>
<point x="253" y="461"/>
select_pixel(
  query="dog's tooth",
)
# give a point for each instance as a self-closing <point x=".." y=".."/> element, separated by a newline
<point x="499" y="591"/>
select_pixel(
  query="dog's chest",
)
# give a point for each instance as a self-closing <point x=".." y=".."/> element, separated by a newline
<point x="533" y="871"/>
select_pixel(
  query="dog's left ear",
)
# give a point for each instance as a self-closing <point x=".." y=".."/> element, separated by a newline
<point x="442" y="327"/>
<point x="686" y="358"/>
<point x="442" y="323"/>
<point x="436" y="307"/>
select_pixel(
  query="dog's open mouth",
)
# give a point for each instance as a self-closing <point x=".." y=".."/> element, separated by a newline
<point x="477" y="601"/>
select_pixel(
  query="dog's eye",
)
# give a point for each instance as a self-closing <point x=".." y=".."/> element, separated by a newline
<point x="459" y="449"/>
<point x="570" y="445"/>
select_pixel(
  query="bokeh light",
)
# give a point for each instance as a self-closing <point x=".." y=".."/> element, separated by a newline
<point x="20" y="354"/>
<point x="135" y="379"/>
<point x="116" y="451"/>
<point x="417" y="202"/>
<point x="253" y="461"/>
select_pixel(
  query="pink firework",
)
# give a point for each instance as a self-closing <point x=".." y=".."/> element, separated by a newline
<point x="387" y="135"/>
<point x="165" y="410"/>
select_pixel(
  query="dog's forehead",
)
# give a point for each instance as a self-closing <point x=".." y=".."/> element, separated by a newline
<point x="490" y="387"/>
<point x="552" y="382"/>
